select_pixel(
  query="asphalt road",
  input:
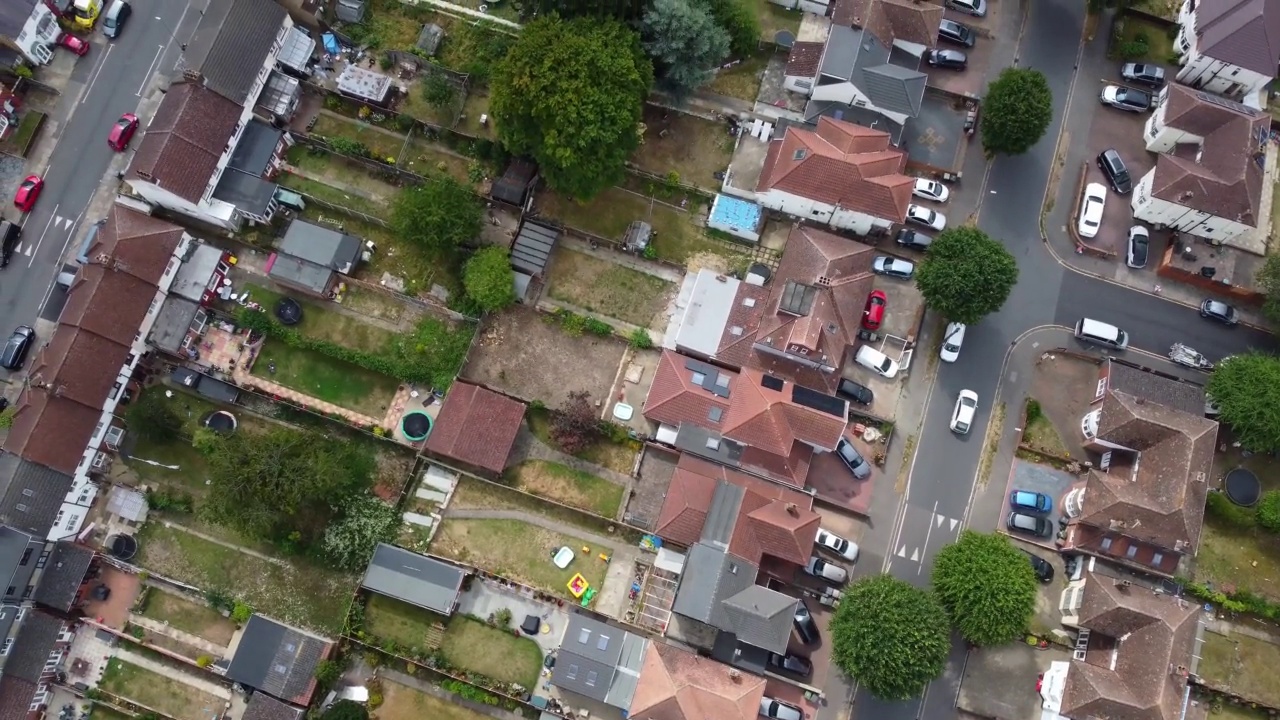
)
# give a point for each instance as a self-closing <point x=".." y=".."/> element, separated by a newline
<point x="113" y="76"/>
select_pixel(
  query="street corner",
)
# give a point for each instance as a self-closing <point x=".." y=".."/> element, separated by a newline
<point x="1004" y="681"/>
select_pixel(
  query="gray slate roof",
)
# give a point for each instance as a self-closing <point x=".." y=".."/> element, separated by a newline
<point x="722" y="515"/>
<point x="30" y="494"/>
<point x="194" y="273"/>
<point x="711" y="574"/>
<point x="1177" y="394"/>
<point x="599" y="661"/>
<point x="172" y="324"/>
<point x="277" y="659"/>
<point x="262" y="706"/>
<point x="13" y="15"/>
<point x="37" y="637"/>
<point x="859" y="58"/>
<point x="761" y="617"/>
<point x="63" y="575"/>
<point x="19" y="553"/>
<point x="413" y="578"/>
<point x="232" y="42"/>
<point x="321" y="245"/>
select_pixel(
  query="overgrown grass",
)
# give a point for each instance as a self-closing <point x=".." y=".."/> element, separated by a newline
<point x="164" y="693"/>
<point x="1243" y="665"/>
<point x="502" y="655"/>
<point x="1131" y="30"/>
<point x="741" y="81"/>
<point x="774" y="18"/>
<point x="619" y="457"/>
<point x="401" y="702"/>
<point x="606" y="288"/>
<point x="327" y="323"/>
<point x="519" y="551"/>
<point x="325" y="378"/>
<point x="567" y="485"/>
<point x="189" y="617"/>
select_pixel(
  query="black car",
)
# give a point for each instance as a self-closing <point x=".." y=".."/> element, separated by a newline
<point x="855" y="392"/>
<point x="956" y="33"/>
<point x="1152" y="75"/>
<point x="15" y="351"/>
<point x="949" y="59"/>
<point x="1030" y="525"/>
<point x="1117" y="173"/>
<point x="792" y="664"/>
<point x="913" y="239"/>
<point x="1044" y="571"/>
<point x="805" y="626"/>
<point x="1217" y="310"/>
<point x="10" y="232"/>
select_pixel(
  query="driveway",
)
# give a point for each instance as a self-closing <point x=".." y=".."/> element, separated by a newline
<point x="1123" y="132"/>
<point x="1000" y="682"/>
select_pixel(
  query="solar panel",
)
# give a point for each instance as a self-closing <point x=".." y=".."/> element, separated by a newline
<point x="821" y="402"/>
<point x="1223" y="102"/>
<point x="772" y="383"/>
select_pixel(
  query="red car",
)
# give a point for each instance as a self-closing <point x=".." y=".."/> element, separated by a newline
<point x="122" y="132"/>
<point x="28" y="192"/>
<point x="73" y="43"/>
<point x="873" y="313"/>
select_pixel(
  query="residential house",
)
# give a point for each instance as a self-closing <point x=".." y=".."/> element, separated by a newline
<point x="313" y="258"/>
<point x="741" y="531"/>
<point x="184" y="317"/>
<point x="249" y="52"/>
<point x="600" y="662"/>
<point x="1208" y="179"/>
<point x="32" y="495"/>
<point x="278" y="659"/>
<point x="1229" y="47"/>
<point x="839" y="174"/>
<point x="262" y="706"/>
<point x="31" y="27"/>
<point x="1142" y="504"/>
<point x="1135" y="649"/>
<point x="860" y="69"/>
<point x="29" y="660"/>
<point x="678" y="685"/>
<point x="415" y="579"/>
<point x="66" y="575"/>
<point x="910" y="25"/>
<point x="477" y="428"/>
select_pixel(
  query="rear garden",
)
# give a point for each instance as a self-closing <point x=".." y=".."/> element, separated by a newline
<point x="567" y="485"/>
<point x="188" y="616"/>
<point x="606" y="288"/>
<point x="1242" y="665"/>
<point x="618" y="456"/>
<point x="1235" y="552"/>
<point x="741" y="81"/>
<point x="689" y="147"/>
<point x="401" y="702"/>
<point x="1135" y="38"/>
<point x="774" y="18"/>
<point x="165" y="694"/>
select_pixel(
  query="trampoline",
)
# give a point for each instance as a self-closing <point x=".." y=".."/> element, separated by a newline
<point x="288" y="311"/>
<point x="123" y="547"/>
<point x="416" y="425"/>
<point x="220" y="421"/>
<point x="1242" y="487"/>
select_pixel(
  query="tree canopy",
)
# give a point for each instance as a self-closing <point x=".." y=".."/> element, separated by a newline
<point x="1016" y="111"/>
<point x="889" y="636"/>
<point x="489" y="279"/>
<point x="570" y="94"/>
<point x="1267" y="280"/>
<point x="685" y="42"/>
<point x="966" y="275"/>
<point x="366" y="521"/>
<point x="440" y="214"/>
<point x="987" y="587"/>
<point x="738" y="20"/>
<point x="1246" y="389"/>
<point x="151" y="418"/>
<point x="623" y="10"/>
<point x="346" y="710"/>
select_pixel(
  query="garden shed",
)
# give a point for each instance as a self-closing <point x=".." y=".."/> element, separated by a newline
<point x="415" y="579"/>
<point x="430" y="38"/>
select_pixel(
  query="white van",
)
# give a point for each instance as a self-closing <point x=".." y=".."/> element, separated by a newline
<point x="1100" y="333"/>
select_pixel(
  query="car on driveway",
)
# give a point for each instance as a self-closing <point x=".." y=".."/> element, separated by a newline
<point x="1028" y="501"/>
<point x="828" y="540"/>
<point x="115" y="18"/>
<point x="956" y="33"/>
<point x="1029" y="525"/>
<point x="930" y="190"/>
<point x="1091" y="207"/>
<point x="1139" y="247"/>
<point x="28" y="192"/>
<point x="976" y="8"/>
<point x="1143" y="73"/>
<point x="849" y="455"/>
<point x="855" y="392"/>
<point x="874" y="312"/>
<point x="805" y="626"/>
<point x="913" y="239"/>
<point x="790" y="664"/>
<point x="122" y="132"/>
<point x="820" y="568"/>
<point x="1042" y="568"/>
<point x="15" y="350"/>
<point x="952" y="340"/>
<point x="1219" y="311"/>
<point x="962" y="415"/>
<point x="1117" y="173"/>
<point x="893" y="267"/>
<point x="922" y="215"/>
<point x="77" y="45"/>
<point x="1127" y="99"/>
<point x="779" y="710"/>
<point x="876" y="361"/>
<point x="947" y="59"/>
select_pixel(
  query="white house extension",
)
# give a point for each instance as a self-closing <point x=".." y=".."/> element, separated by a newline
<point x="1229" y="47"/>
<point x="32" y="27"/>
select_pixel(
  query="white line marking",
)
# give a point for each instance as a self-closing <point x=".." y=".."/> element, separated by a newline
<point x="900" y="520"/>
<point x="26" y="251"/>
<point x="62" y="254"/>
<point x="915" y="555"/>
<point x="939" y="519"/>
<point x="902" y="551"/>
<point x="928" y="533"/>
<point x="41" y="239"/>
<point x="150" y="68"/>
<point x="96" y="72"/>
<point x="954" y="523"/>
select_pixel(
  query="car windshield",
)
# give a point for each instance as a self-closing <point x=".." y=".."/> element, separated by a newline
<point x="840" y="544"/>
<point x="967" y="403"/>
<point x="850" y="455"/>
<point x="886" y="365"/>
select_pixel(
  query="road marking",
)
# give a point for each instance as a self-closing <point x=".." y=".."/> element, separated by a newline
<point x="900" y="520"/>
<point x="63" y="253"/>
<point x="954" y="523"/>
<point x="26" y="250"/>
<point x="96" y="72"/>
<point x="928" y="533"/>
<point x="150" y="68"/>
<point x="902" y="551"/>
<point x="42" y="234"/>
<point x="915" y="555"/>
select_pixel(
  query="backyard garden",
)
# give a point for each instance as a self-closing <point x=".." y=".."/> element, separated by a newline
<point x="1235" y="550"/>
<point x="692" y="148"/>
<point x="401" y="702"/>
<point x="187" y="615"/>
<point x="165" y="694"/>
<point x="1242" y="665"/>
<point x="607" y="288"/>
<point x="567" y="485"/>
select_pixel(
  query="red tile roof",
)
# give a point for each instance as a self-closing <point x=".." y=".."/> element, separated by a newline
<point x="673" y="398"/>
<point x="477" y="427"/>
<point x="770" y="421"/>
<point x="51" y="431"/>
<point x="912" y="21"/>
<point x="678" y="685"/>
<point x="805" y="59"/>
<point x="108" y="303"/>
<point x="78" y="365"/>
<point x="180" y="149"/>
<point x="136" y="243"/>
<point x="842" y="164"/>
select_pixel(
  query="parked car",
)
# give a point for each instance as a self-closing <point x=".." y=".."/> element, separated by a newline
<point x="874" y="311"/>
<point x="806" y="628"/>
<point x="976" y="8"/>
<point x="876" y="361"/>
<point x="1143" y="73"/>
<point x="828" y="540"/>
<point x="893" y="267"/>
<point x="849" y="455"/>
<point x="957" y="33"/>
<point x="15" y="350"/>
<point x="1028" y="501"/>
<point x="77" y="46"/>
<point x="1139" y="247"/>
<point x="1042" y="568"/>
<point x="10" y="234"/>
<point x="122" y="132"/>
<point x="1030" y="525"/>
<point x="774" y="708"/>
<point x="1219" y="311"/>
<point x="966" y="408"/>
<point x="1091" y="208"/>
<point x="820" y="568"/>
<point x="28" y="192"/>
<point x="931" y="190"/>
<point x="1127" y="99"/>
<point x="952" y="340"/>
<point x="1114" y="169"/>
<point x="913" y="239"/>
<point x="921" y="215"/>
<point x="114" y="19"/>
<point x="793" y="664"/>
<point x="855" y="392"/>
<point x="947" y="59"/>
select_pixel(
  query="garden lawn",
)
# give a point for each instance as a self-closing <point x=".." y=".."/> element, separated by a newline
<point x="328" y="324"/>
<point x="1043" y="436"/>
<point x="324" y="378"/>
<point x="1245" y="559"/>
<point x="162" y="693"/>
<point x="327" y="193"/>
<point x="297" y="592"/>
<point x="518" y="551"/>
<point x="404" y="624"/>
<point x="774" y="18"/>
<point x="619" y="457"/>
<point x="401" y="702"/>
<point x="1159" y="44"/>
<point x="477" y="104"/>
<point x="607" y="288"/>
<point x="693" y="148"/>
<point x="385" y="145"/>
<point x="188" y="616"/>
<point x="500" y="654"/>
<point x="1242" y="665"/>
<point x="568" y="485"/>
<point x="741" y="81"/>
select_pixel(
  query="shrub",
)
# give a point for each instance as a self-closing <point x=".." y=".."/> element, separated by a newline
<point x="1034" y="411"/>
<point x="1268" y="512"/>
<point x="164" y="500"/>
<point x="240" y="613"/>
<point x="503" y="617"/>
<point x="1133" y="49"/>
<point x="1220" y="508"/>
<point x="598" y="327"/>
<point x="640" y="339"/>
<point x="204" y="661"/>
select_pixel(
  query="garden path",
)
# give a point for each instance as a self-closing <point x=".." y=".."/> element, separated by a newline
<point x="225" y="544"/>
<point x="529" y="447"/>
<point x="663" y="272"/>
<point x="206" y="686"/>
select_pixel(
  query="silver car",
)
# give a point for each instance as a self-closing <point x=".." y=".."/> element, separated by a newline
<point x="1139" y="247"/>
<point x="893" y="267"/>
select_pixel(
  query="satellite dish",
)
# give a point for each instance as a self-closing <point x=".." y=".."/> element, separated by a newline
<point x="784" y="39"/>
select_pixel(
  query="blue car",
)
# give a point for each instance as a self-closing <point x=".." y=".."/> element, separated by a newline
<point x="1030" y="501"/>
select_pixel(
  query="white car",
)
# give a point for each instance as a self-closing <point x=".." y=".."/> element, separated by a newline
<point x="828" y="540"/>
<point x="921" y="215"/>
<point x="952" y="339"/>
<point x="1091" y="207"/>
<point x="820" y="568"/>
<point x="779" y="710"/>
<point x="931" y="190"/>
<point x="966" y="408"/>
<point x="876" y="361"/>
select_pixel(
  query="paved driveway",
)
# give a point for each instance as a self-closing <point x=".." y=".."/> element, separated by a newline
<point x="1123" y="132"/>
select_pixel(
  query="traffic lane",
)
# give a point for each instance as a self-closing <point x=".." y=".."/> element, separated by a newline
<point x="1153" y="324"/>
<point x="923" y="533"/>
<point x="869" y="707"/>
<point x="940" y="700"/>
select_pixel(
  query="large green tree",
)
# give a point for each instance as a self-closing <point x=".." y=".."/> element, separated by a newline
<point x="1246" y="389"/>
<point x="1016" y="111"/>
<point x="439" y="215"/>
<point x="366" y="521"/>
<point x="346" y="710"/>
<point x="569" y="94"/>
<point x="623" y="10"/>
<point x="489" y="279"/>
<point x="966" y="275"/>
<point x="151" y="417"/>
<point x="987" y="586"/>
<point x="740" y="21"/>
<point x="891" y="637"/>
<point x="686" y="43"/>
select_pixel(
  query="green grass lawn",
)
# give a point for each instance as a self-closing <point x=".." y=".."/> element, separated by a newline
<point x="189" y="616"/>
<point x="329" y="324"/>
<point x="741" y="81"/>
<point x="774" y="18"/>
<point x="163" y="693"/>
<point x="519" y="551"/>
<point x="325" y="378"/>
<point x="383" y="145"/>
<point x="1131" y="29"/>
<point x="606" y="288"/>
<point x="404" y="624"/>
<point x="503" y="655"/>
<point x="567" y="485"/>
<point x="693" y="148"/>
<point x="401" y="702"/>
<point x="1243" y="665"/>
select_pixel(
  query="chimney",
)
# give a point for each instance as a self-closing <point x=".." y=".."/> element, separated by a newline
<point x="792" y="510"/>
<point x="192" y="75"/>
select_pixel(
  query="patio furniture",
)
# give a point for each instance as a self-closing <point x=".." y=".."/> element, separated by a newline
<point x="531" y="625"/>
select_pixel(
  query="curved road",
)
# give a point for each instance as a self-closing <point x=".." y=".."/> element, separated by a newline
<point x="942" y="473"/>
